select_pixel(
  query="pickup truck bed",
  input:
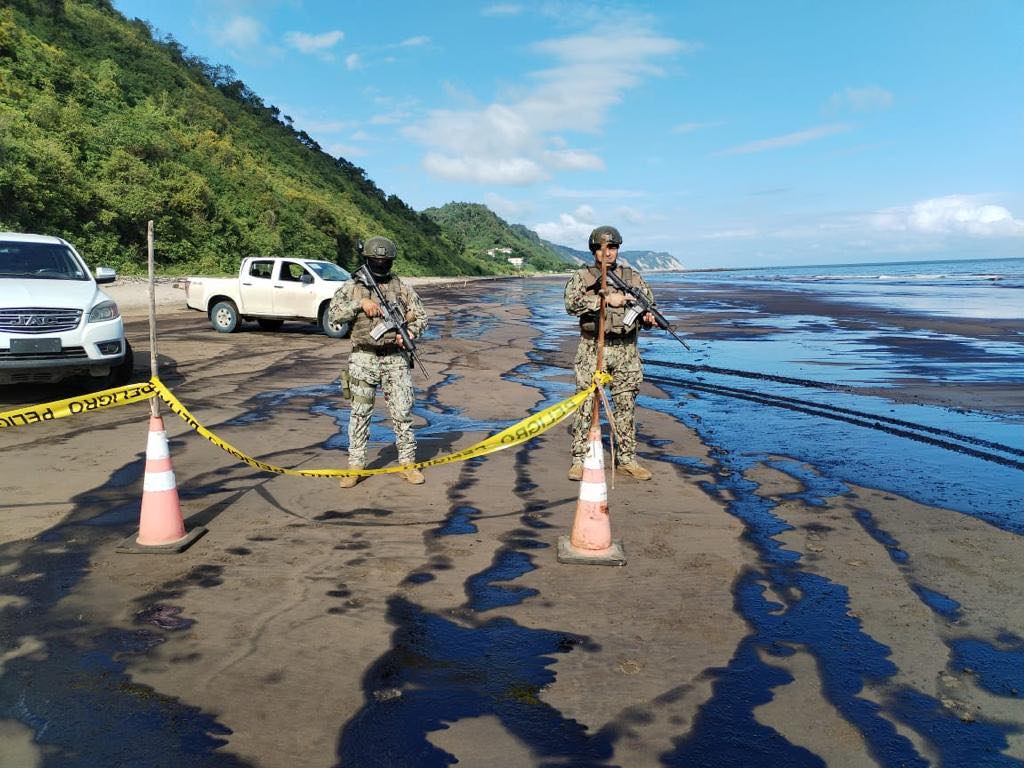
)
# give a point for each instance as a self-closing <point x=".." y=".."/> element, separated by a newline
<point x="269" y="291"/>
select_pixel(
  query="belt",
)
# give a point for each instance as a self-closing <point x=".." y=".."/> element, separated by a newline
<point x="614" y="341"/>
<point x="379" y="351"/>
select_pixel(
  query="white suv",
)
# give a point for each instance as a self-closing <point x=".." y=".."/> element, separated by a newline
<point x="54" y="320"/>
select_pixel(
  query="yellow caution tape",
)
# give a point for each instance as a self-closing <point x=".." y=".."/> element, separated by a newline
<point x="95" y="401"/>
<point x="518" y="433"/>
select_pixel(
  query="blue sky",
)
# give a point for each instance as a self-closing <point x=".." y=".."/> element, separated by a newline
<point x="729" y="134"/>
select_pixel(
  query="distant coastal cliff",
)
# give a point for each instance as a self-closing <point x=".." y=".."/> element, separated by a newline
<point x="645" y="261"/>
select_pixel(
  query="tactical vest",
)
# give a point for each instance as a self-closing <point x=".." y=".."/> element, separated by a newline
<point x="362" y="325"/>
<point x="613" y="316"/>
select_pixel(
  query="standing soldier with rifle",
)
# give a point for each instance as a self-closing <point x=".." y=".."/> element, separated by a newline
<point x="621" y="357"/>
<point x="386" y="317"/>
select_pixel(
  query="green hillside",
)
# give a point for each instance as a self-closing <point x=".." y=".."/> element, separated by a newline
<point x="476" y="230"/>
<point x="102" y="127"/>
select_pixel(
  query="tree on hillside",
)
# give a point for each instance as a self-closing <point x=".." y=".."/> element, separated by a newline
<point x="476" y="230"/>
<point x="104" y="125"/>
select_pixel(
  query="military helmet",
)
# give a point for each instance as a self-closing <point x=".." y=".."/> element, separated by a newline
<point x="379" y="248"/>
<point x="379" y="254"/>
<point x="603" y="235"/>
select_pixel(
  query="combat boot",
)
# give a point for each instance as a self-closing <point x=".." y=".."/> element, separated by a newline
<point x="576" y="470"/>
<point x="349" y="481"/>
<point x="413" y="477"/>
<point x="633" y="469"/>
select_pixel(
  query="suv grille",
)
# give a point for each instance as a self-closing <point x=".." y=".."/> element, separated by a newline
<point x="68" y="353"/>
<point x="39" y="320"/>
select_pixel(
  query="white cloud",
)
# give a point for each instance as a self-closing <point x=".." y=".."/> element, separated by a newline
<point x="353" y="62"/>
<point x="864" y="99"/>
<point x="506" y="208"/>
<point x="242" y="33"/>
<point x="571" y="229"/>
<point x="484" y="170"/>
<point x="512" y="138"/>
<point x="632" y="215"/>
<point x="787" y="140"/>
<point x="318" y="45"/>
<point x="573" y="160"/>
<point x="361" y="136"/>
<point x="414" y="42"/>
<point x="501" y="9"/>
<point x="950" y="215"/>
<point x="566" y="231"/>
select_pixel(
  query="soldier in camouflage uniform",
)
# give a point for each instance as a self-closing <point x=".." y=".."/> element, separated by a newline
<point x="621" y="357"/>
<point x="379" y="363"/>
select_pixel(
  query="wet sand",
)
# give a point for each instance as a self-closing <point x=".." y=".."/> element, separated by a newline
<point x="399" y="625"/>
<point x="764" y="304"/>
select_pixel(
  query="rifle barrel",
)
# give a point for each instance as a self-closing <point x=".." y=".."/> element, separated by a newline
<point x="647" y="306"/>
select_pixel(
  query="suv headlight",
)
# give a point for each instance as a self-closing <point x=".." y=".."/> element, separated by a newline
<point x="106" y="310"/>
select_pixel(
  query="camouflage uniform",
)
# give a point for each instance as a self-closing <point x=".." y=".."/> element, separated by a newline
<point x="378" y="363"/>
<point x="621" y="358"/>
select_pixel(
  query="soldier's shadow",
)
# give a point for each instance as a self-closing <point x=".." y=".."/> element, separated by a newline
<point x="427" y="448"/>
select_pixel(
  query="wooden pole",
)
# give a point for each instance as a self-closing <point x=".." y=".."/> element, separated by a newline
<point x="594" y="416"/>
<point x="154" y="402"/>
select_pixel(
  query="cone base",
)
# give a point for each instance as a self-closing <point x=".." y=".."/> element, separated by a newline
<point x="132" y="547"/>
<point x="614" y="555"/>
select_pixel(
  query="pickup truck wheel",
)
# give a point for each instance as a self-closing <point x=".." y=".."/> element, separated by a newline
<point x="334" y="330"/>
<point x="224" y="317"/>
<point x="269" y="325"/>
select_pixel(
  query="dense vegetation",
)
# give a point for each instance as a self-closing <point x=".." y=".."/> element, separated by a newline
<point x="475" y="229"/>
<point x="103" y="127"/>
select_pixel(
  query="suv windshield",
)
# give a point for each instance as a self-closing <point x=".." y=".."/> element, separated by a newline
<point x="328" y="271"/>
<point x="39" y="261"/>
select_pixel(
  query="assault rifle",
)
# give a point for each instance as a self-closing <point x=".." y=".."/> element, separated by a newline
<point x="393" y="320"/>
<point x="640" y="306"/>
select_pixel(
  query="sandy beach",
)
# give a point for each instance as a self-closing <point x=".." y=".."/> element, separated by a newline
<point x="770" y="612"/>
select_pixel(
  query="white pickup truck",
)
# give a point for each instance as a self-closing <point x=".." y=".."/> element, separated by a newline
<point x="270" y="291"/>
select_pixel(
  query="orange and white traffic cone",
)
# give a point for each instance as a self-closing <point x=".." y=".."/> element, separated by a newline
<point x="590" y="542"/>
<point x="161" y="527"/>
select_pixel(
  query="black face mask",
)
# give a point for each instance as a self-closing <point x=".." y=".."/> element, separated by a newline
<point x="379" y="268"/>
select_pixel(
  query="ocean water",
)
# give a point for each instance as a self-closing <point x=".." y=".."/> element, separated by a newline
<point x="974" y="288"/>
<point x="895" y="347"/>
<point x="824" y="387"/>
<point x="827" y="392"/>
